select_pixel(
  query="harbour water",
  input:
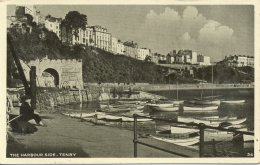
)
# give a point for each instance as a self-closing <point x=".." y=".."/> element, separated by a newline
<point x="225" y="148"/>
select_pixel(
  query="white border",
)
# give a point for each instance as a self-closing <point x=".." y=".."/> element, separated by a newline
<point x="4" y="160"/>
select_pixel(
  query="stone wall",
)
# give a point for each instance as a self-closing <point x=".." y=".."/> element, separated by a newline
<point x="62" y="72"/>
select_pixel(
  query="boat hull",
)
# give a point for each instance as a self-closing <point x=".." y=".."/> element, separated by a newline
<point x="180" y="142"/>
<point x="207" y="102"/>
<point x="185" y="108"/>
<point x="217" y="122"/>
<point x="248" y="137"/>
<point x="232" y="101"/>
<point x="164" y="109"/>
<point x="130" y="119"/>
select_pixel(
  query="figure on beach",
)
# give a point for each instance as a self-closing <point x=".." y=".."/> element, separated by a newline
<point x="27" y="112"/>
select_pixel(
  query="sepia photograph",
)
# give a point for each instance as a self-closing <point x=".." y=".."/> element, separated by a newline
<point x="151" y="82"/>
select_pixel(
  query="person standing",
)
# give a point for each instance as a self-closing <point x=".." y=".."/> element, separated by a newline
<point x="27" y="112"/>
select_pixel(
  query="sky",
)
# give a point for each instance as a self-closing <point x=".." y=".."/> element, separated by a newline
<point x="213" y="30"/>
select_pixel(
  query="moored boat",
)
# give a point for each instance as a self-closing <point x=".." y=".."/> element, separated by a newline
<point x="232" y="101"/>
<point x="207" y="102"/>
<point x="164" y="109"/>
<point x="113" y="118"/>
<point x="186" y="108"/>
<point x="216" y="122"/>
<point x="179" y="136"/>
<point x="130" y="119"/>
<point x="248" y="137"/>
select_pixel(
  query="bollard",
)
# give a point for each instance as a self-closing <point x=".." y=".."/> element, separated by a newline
<point x="201" y="127"/>
<point x="135" y="135"/>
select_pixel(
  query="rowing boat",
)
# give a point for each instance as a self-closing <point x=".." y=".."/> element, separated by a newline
<point x="164" y="109"/>
<point x="232" y="101"/>
<point x="130" y="119"/>
<point x="185" y="108"/>
<point x="178" y="136"/>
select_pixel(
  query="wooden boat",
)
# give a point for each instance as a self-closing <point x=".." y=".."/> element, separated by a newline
<point x="207" y="102"/>
<point x="248" y="138"/>
<point x="185" y="108"/>
<point x="163" y="105"/>
<point x="113" y="118"/>
<point x="217" y="122"/>
<point x="178" y="136"/>
<point x="232" y="101"/>
<point x="130" y="119"/>
<point x="177" y="101"/>
<point x="82" y="115"/>
<point x="100" y="116"/>
<point x="217" y="135"/>
<point x="185" y="119"/>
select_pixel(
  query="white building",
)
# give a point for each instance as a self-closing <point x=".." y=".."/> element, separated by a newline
<point x="120" y="47"/>
<point x="84" y="37"/>
<point x="203" y="60"/>
<point x="142" y="53"/>
<point x="53" y="24"/>
<point x="114" y="45"/>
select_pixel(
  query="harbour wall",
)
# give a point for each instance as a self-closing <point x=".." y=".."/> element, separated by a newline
<point x="46" y="101"/>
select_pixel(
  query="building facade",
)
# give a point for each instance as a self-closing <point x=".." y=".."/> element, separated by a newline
<point x="101" y="37"/>
<point x="53" y="24"/>
<point x="114" y="45"/>
<point x="170" y="58"/>
<point x="240" y="60"/>
<point x="142" y="53"/>
<point x="203" y="60"/>
<point x="131" y="49"/>
<point x="120" y="47"/>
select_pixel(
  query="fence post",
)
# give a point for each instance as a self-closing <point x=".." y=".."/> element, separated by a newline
<point x="201" y="127"/>
<point x="214" y="150"/>
<point x="135" y="135"/>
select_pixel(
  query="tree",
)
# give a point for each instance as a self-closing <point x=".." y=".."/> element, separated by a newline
<point x="74" y="21"/>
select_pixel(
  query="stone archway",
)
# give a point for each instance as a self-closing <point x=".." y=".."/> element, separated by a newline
<point x="50" y="77"/>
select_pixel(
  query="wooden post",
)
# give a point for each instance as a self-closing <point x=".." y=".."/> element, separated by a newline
<point x="33" y="86"/>
<point x="214" y="150"/>
<point x="135" y="135"/>
<point x="19" y="66"/>
<point x="201" y="127"/>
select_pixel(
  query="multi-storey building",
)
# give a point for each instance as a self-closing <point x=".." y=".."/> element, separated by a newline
<point x="120" y="47"/>
<point x="114" y="45"/>
<point x="53" y="24"/>
<point x="142" y="53"/>
<point x="84" y="37"/>
<point x="189" y="56"/>
<point x="239" y="61"/>
<point x="131" y="49"/>
<point x="250" y="61"/>
<point x="180" y="59"/>
<point x="203" y="60"/>
<point x="39" y="18"/>
<point x="27" y="9"/>
<point x="102" y="38"/>
<point x="170" y="58"/>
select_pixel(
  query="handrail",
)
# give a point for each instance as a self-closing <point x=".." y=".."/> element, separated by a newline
<point x="201" y="127"/>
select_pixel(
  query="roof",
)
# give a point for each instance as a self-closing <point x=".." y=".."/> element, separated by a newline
<point x="53" y="19"/>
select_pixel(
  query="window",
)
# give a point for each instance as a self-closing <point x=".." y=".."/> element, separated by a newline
<point x="50" y="25"/>
<point x="57" y="27"/>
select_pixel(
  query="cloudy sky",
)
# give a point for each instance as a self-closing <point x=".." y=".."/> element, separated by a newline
<point x="213" y="30"/>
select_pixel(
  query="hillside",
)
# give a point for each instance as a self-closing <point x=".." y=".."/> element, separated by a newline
<point x="100" y="66"/>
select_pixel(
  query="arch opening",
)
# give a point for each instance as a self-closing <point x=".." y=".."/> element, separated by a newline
<point x="50" y="77"/>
